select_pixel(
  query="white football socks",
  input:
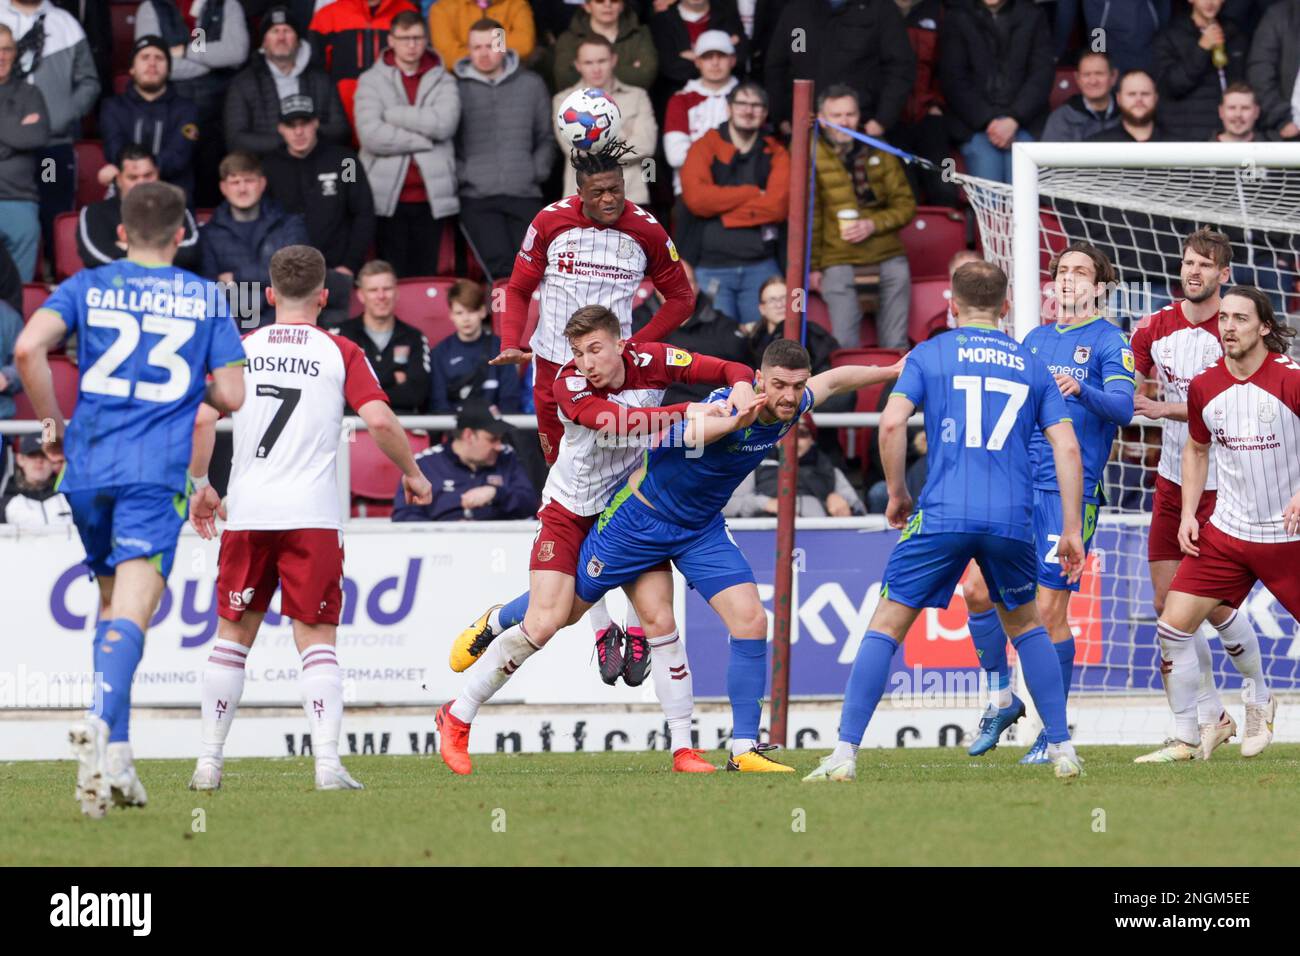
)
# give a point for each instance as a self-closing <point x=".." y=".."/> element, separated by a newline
<point x="1209" y="706"/>
<point x="499" y="662"/>
<point x="1184" y="681"/>
<point x="321" y="682"/>
<point x="844" y="751"/>
<point x="598" y="617"/>
<point x="223" y="685"/>
<point x="630" y="620"/>
<point x="1242" y="647"/>
<point x="673" y="686"/>
<point x="494" y="620"/>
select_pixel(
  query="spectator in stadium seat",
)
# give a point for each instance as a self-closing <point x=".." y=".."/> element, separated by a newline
<point x="597" y="67"/>
<point x="460" y="369"/>
<point x="207" y="47"/>
<point x="819" y="342"/>
<point x="501" y="165"/>
<point x="283" y="66"/>
<point x="11" y="325"/>
<point x="862" y="44"/>
<point x="24" y="131"/>
<point x="31" y="498"/>
<point x="862" y="199"/>
<point x="475" y="476"/>
<point x="1273" y="68"/>
<point x="1090" y="111"/>
<point x="822" y="490"/>
<point x="408" y="108"/>
<point x="1129" y="29"/>
<point x="996" y="70"/>
<point x="325" y="184"/>
<point x="248" y="227"/>
<point x="151" y="113"/>
<point x="450" y="22"/>
<point x="350" y="36"/>
<point x="1137" y="100"/>
<point x="54" y="57"/>
<point x="1190" y="82"/>
<point x="1238" y="116"/>
<point x="98" y="242"/>
<point x="676" y="31"/>
<point x="921" y="129"/>
<point x="637" y="62"/>
<point x="701" y="105"/>
<point x="735" y="200"/>
<point x="398" y="352"/>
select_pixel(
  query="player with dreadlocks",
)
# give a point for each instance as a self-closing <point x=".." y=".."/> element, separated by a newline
<point x="592" y="248"/>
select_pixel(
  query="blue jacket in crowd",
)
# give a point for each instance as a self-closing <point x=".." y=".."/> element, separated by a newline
<point x="516" y="497"/>
<point x="460" y="371"/>
<point x="168" y="127"/>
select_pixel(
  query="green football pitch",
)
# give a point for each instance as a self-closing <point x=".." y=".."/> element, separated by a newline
<point x="908" y="807"/>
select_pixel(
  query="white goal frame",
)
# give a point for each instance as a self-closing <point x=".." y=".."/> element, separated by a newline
<point x="1028" y="158"/>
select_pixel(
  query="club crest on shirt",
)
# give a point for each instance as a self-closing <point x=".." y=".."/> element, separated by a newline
<point x="401" y="354"/>
<point x="496" y="481"/>
<point x="1081" y="354"/>
<point x="1166" y="352"/>
<point x="448" y="484"/>
<point x="576" y="383"/>
<point x="1210" y="355"/>
<point x="1267" y="411"/>
<point x="594" y="567"/>
<point x="329" y="184"/>
<point x="626" y="248"/>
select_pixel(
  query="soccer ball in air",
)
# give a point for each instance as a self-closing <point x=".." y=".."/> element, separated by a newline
<point x="589" y="119"/>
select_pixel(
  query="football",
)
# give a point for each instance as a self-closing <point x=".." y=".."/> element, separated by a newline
<point x="589" y="119"/>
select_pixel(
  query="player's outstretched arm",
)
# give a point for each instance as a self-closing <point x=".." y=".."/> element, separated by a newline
<point x="850" y="378"/>
<point x="1069" y="478"/>
<point x="226" y="390"/>
<point x="893" y="457"/>
<point x="1196" y="469"/>
<point x="705" y="429"/>
<point x="1154" y="409"/>
<point x="43" y="331"/>
<point x="388" y="434"/>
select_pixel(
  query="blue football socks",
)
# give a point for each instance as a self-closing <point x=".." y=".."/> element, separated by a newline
<point x="866" y="685"/>
<point x="746" y="681"/>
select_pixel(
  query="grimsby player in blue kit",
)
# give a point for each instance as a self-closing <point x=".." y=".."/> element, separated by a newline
<point x="147" y="336"/>
<point x="1092" y="365"/>
<point x="984" y="398"/>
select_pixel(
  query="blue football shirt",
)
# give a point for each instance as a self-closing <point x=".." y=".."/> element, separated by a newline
<point x="146" y="338"/>
<point x="984" y="398"/>
<point x="689" y="486"/>
<point x="1096" y="353"/>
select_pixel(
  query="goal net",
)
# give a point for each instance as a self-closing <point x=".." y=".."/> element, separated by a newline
<point x="1137" y="202"/>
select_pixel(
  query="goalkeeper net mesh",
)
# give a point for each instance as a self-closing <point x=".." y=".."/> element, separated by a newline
<point x="1139" y="217"/>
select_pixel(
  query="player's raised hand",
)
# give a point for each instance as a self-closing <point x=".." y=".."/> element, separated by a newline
<point x="898" y="511"/>
<point x="512" y="357"/>
<point x="417" y="489"/>
<point x="1068" y="384"/>
<point x="205" y="507"/>
<point x="745" y="414"/>
<point x="1189" y="532"/>
<point x="1291" y="515"/>
<point x="1069" y="550"/>
<point x="741" y="396"/>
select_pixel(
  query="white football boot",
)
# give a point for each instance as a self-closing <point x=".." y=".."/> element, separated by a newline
<point x="835" y="771"/>
<point x="334" y="777"/>
<point x="119" y="770"/>
<point x="1215" y="735"/>
<point x="207" y="775"/>
<point x="1259" y="727"/>
<point x="89" y="740"/>
<point x="1066" y="763"/>
<point x="1174" y="751"/>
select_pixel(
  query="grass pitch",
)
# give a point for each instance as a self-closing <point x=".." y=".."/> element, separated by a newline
<point x="925" y="807"/>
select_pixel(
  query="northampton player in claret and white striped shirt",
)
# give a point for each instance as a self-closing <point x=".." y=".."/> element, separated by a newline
<point x="1170" y="348"/>
<point x="1248" y="406"/>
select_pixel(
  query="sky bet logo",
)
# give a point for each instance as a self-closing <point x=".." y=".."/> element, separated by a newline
<point x="77" y="909"/>
<point x="389" y="601"/>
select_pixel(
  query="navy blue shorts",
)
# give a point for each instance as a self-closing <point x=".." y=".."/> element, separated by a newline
<point x="924" y="569"/>
<point x="630" y="538"/>
<point x="1047" y="536"/>
<point x="128" y="521"/>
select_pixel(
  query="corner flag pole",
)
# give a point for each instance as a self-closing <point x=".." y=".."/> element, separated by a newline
<point x="796" y="305"/>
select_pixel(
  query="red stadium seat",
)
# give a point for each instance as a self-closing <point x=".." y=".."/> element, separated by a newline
<point x="1064" y="86"/>
<point x="90" y="160"/>
<point x="66" y="378"/>
<point x="856" y="441"/>
<point x="374" y="477"/>
<point x="34" y="293"/>
<point x="122" y="18"/>
<point x="929" y="302"/>
<point x="120" y="82"/>
<point x="931" y="238"/>
<point x="422" y="302"/>
<point x="67" y="260"/>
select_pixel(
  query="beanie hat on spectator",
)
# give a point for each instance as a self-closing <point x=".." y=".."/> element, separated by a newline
<point x="714" y="41"/>
<point x="275" y="17"/>
<point x="155" y="41"/>
<point x="29" y="444"/>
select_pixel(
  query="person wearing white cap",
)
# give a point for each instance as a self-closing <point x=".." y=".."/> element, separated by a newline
<point x="702" y="104"/>
<point x="679" y="29"/>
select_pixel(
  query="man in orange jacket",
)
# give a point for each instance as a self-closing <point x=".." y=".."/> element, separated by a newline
<point x="736" y="194"/>
<point x="450" y="20"/>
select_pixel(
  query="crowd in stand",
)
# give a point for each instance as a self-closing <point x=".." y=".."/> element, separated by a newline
<point x="398" y="137"/>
